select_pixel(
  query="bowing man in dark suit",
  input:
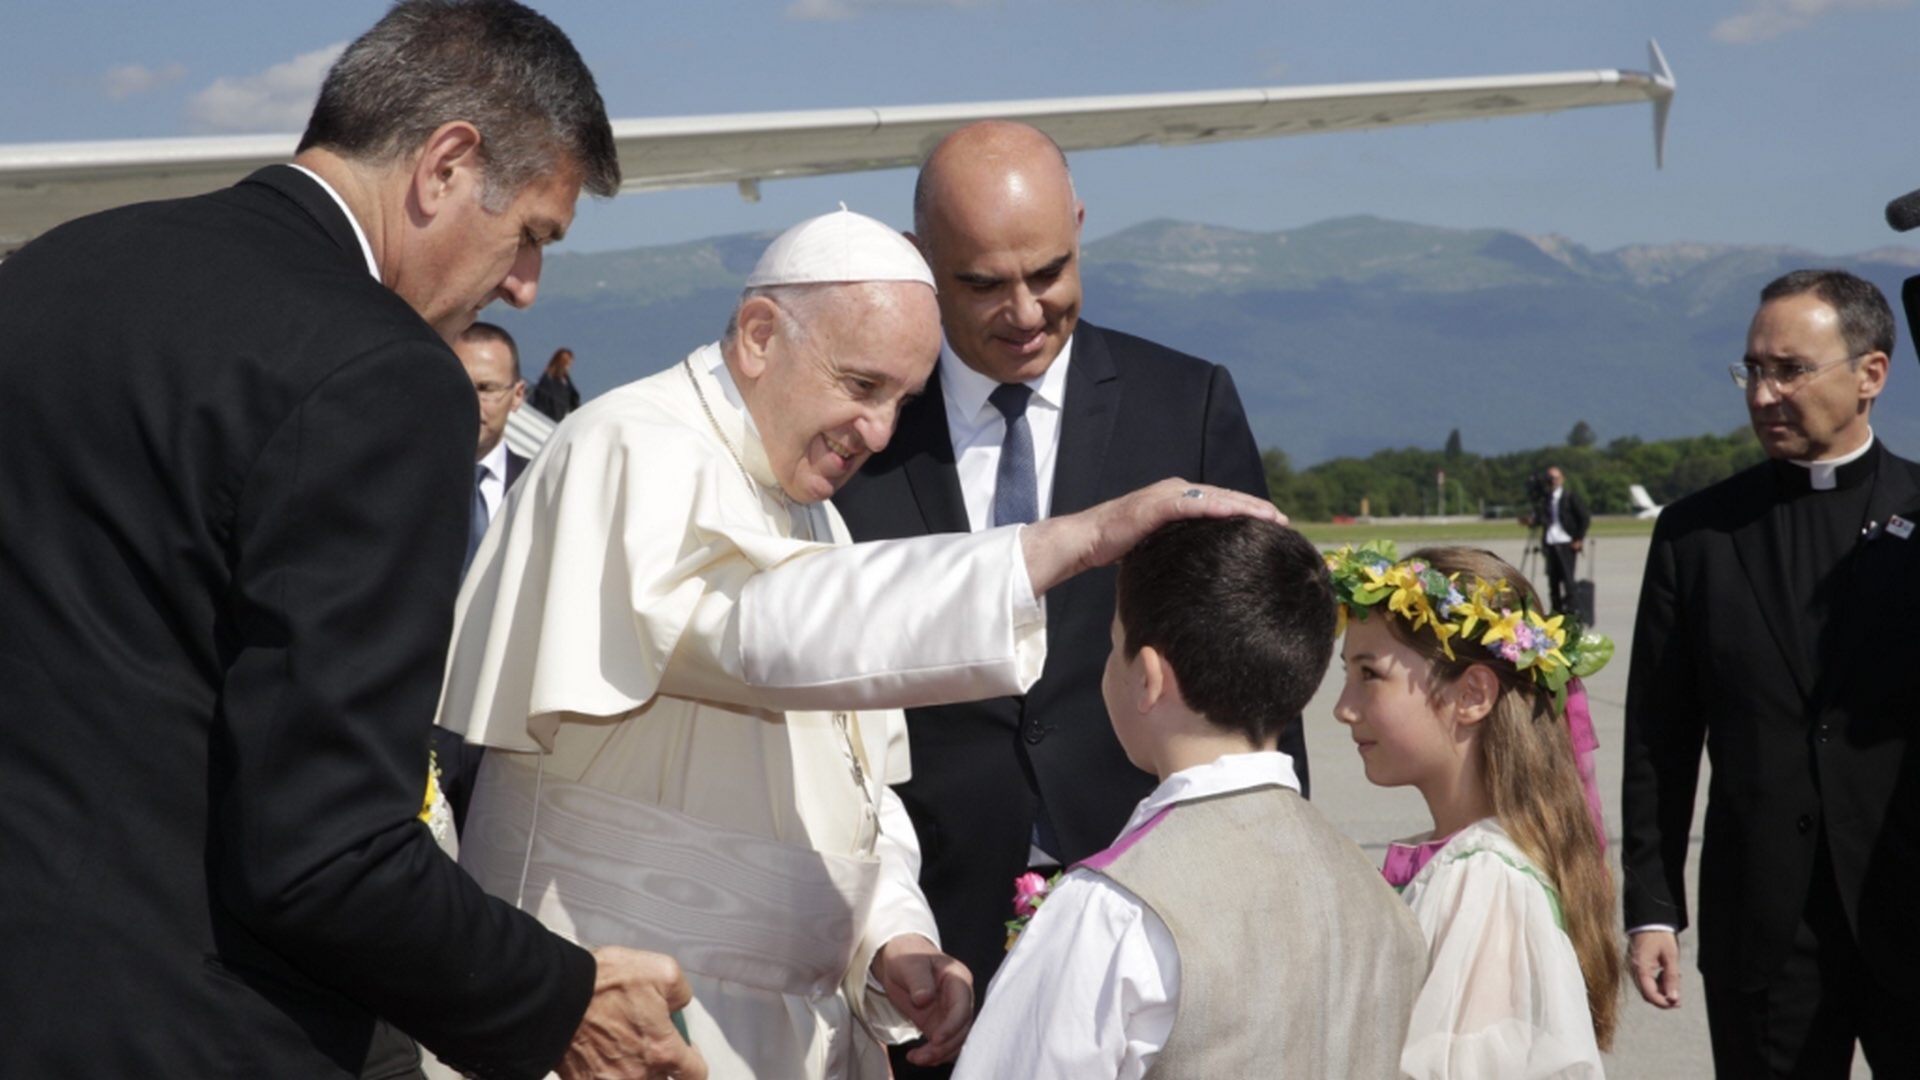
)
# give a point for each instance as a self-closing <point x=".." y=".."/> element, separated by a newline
<point x="227" y="582"/>
<point x="1776" y="628"/>
<point x="1032" y="412"/>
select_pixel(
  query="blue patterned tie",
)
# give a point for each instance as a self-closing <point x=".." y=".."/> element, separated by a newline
<point x="1015" y="490"/>
<point x="477" y="522"/>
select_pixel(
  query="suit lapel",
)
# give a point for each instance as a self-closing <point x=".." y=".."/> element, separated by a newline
<point x="1757" y="544"/>
<point x="1086" y="422"/>
<point x="1880" y="573"/>
<point x="927" y="461"/>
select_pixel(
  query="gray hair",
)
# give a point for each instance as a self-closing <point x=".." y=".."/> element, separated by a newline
<point x="498" y="65"/>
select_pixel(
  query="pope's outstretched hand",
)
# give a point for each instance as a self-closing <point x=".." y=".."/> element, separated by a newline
<point x="933" y="990"/>
<point x="1059" y="547"/>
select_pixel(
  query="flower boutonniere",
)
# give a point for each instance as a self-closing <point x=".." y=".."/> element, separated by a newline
<point x="1030" y="890"/>
<point x="433" y="805"/>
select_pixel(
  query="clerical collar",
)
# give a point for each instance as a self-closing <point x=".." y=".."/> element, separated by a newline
<point x="1847" y="471"/>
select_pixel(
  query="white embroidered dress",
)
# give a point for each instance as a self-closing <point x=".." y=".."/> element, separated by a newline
<point x="1504" y="995"/>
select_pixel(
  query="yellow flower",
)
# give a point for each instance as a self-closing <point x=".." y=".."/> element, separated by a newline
<point x="1409" y="599"/>
<point x="1478" y="610"/>
<point x="433" y="787"/>
<point x="1501" y="628"/>
<point x="1550" y="630"/>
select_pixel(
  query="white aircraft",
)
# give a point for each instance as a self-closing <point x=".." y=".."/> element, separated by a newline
<point x="1644" y="507"/>
<point x="44" y="184"/>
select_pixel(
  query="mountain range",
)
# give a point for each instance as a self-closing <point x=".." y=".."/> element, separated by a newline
<point x="1344" y="337"/>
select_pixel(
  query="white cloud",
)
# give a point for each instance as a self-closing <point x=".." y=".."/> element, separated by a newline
<point x="818" y="10"/>
<point x="277" y="99"/>
<point x="129" y="80"/>
<point x="1766" y="19"/>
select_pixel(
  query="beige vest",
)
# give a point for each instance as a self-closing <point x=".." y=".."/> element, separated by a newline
<point x="1296" y="958"/>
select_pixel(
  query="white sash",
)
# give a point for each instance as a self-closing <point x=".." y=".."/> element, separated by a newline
<point x="600" y="869"/>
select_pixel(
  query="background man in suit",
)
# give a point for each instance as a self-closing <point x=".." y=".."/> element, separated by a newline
<point x="492" y="360"/>
<point x="227" y="584"/>
<point x="1565" y="522"/>
<point x="1032" y="412"/>
<point x="1771" y="624"/>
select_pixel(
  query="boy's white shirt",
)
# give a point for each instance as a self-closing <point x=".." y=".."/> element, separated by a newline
<point x="1094" y="984"/>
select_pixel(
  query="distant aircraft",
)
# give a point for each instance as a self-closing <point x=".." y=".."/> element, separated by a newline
<point x="1644" y="507"/>
<point x="44" y="184"/>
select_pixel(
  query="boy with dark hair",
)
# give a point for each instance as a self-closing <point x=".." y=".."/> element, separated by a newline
<point x="1230" y="931"/>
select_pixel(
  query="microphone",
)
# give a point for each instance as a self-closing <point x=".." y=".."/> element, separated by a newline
<point x="1903" y="213"/>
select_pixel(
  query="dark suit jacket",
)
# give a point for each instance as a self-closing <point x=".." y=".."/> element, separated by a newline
<point x="554" y="396"/>
<point x="1797" y="745"/>
<point x="238" y="478"/>
<point x="1135" y="413"/>
<point x="1573" y="513"/>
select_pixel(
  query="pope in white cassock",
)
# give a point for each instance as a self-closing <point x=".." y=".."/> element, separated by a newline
<point x="698" y="676"/>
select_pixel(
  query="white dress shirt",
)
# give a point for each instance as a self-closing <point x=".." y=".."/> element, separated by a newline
<point x="977" y="429"/>
<point x="1093" y="986"/>
<point x="1556" y="532"/>
<point x="493" y="486"/>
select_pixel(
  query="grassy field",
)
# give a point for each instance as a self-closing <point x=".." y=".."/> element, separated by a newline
<point x="1328" y="533"/>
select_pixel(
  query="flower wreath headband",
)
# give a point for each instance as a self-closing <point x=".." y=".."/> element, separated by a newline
<point x="1496" y="617"/>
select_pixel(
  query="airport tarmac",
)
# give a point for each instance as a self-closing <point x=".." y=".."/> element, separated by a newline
<point x="1651" y="1044"/>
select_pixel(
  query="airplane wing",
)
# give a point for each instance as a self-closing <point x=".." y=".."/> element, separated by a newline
<point x="44" y="184"/>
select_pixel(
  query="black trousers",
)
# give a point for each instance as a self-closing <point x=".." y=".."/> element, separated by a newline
<point x="1560" y="560"/>
<point x="1804" y="1022"/>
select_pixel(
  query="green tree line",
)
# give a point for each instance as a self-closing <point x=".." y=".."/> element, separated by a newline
<point x="1403" y="482"/>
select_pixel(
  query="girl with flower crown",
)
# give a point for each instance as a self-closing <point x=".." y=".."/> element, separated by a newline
<point x="1457" y="686"/>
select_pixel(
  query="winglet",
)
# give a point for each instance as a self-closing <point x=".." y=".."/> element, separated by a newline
<point x="1662" y="100"/>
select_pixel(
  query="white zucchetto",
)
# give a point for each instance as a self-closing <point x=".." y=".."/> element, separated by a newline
<point x="840" y="247"/>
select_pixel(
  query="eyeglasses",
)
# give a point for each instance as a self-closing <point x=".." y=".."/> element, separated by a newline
<point x="1784" y="378"/>
<point x="494" y="390"/>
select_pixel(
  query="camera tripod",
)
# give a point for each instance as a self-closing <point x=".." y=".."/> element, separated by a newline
<point x="1533" y="557"/>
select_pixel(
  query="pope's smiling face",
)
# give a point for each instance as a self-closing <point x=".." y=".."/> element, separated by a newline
<point x="825" y="372"/>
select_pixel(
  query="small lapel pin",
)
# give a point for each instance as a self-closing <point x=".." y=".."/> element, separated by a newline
<point x="1900" y="526"/>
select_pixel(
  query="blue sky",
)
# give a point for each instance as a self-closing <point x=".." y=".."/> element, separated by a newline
<point x="1793" y="123"/>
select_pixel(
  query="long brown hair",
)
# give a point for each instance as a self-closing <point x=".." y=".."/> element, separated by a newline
<point x="1531" y="777"/>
